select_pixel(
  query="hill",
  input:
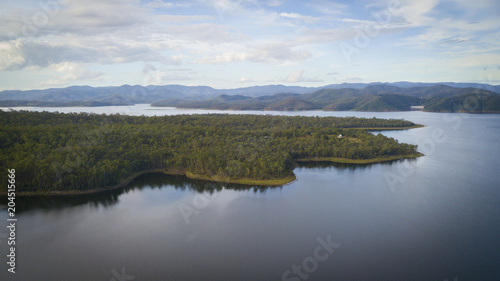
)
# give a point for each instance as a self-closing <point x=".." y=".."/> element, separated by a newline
<point x="371" y="98"/>
<point x="397" y="96"/>
<point x="474" y="103"/>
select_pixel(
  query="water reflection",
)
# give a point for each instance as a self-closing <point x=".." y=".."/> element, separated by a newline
<point x="179" y="182"/>
<point x="146" y="181"/>
<point x="347" y="166"/>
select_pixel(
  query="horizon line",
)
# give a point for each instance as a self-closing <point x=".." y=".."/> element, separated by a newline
<point x="263" y="85"/>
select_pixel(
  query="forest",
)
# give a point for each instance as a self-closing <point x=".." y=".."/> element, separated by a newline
<point x="53" y="152"/>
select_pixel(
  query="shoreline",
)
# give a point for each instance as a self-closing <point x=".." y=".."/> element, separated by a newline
<point x="128" y="180"/>
<point x="358" y="161"/>
<point x="387" y="128"/>
<point x="242" y="181"/>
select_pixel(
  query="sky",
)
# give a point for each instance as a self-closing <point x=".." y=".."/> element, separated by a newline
<point x="241" y="43"/>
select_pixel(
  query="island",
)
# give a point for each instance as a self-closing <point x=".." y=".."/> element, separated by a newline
<point x="58" y="154"/>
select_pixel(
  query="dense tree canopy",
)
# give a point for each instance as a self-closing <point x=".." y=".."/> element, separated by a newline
<point x="62" y="152"/>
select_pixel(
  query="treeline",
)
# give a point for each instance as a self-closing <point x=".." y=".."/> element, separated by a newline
<point x="474" y="103"/>
<point x="62" y="152"/>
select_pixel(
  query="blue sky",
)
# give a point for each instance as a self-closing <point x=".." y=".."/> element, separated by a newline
<point x="239" y="43"/>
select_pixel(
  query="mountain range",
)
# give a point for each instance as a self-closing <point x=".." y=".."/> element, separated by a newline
<point x="398" y="96"/>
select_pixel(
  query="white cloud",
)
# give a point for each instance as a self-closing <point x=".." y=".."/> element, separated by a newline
<point x="298" y="76"/>
<point x="246" y="80"/>
<point x="69" y="72"/>
<point x="290" y="15"/>
<point x="24" y="53"/>
<point x="472" y="31"/>
<point x="274" y="53"/>
<point x="295" y="76"/>
<point x="12" y="55"/>
<point x="78" y="36"/>
<point x="295" y="16"/>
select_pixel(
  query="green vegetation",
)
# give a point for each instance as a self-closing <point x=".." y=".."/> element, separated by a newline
<point x="363" y="97"/>
<point x="474" y="103"/>
<point x="371" y="98"/>
<point x="55" y="153"/>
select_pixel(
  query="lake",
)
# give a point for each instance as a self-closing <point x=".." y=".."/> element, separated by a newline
<point x="432" y="218"/>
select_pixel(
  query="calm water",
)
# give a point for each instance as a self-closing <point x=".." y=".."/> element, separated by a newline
<point x="434" y="218"/>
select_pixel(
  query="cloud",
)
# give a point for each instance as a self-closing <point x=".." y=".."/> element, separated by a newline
<point x="160" y="74"/>
<point x="477" y="4"/>
<point x="166" y="5"/>
<point x="246" y="80"/>
<point x="164" y="34"/>
<point x="68" y="72"/>
<point x="473" y="29"/>
<point x="148" y="68"/>
<point x="12" y="56"/>
<point x="295" y="16"/>
<point x="298" y="76"/>
<point x="292" y="77"/>
<point x="291" y="15"/>
<point x="416" y="13"/>
<point x="55" y="18"/>
<point x="353" y="79"/>
<point x="328" y="7"/>
<point x="182" y="18"/>
<point x="103" y="32"/>
<point x="273" y="3"/>
<point x="20" y="53"/>
<point x="274" y="53"/>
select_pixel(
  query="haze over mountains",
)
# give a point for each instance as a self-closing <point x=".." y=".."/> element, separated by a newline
<point x="399" y="96"/>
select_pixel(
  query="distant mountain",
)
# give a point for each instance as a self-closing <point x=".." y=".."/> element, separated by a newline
<point x="13" y="103"/>
<point x="124" y="94"/>
<point x="293" y="104"/>
<point x="370" y="98"/>
<point x="345" y="96"/>
<point x="404" y="84"/>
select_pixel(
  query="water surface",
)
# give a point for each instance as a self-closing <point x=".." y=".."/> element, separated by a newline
<point x="432" y="218"/>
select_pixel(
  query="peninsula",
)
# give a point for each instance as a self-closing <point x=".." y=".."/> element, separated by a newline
<point x="55" y="153"/>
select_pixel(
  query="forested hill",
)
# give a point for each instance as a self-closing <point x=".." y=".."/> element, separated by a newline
<point x="397" y="96"/>
<point x="80" y="152"/>
<point x="371" y="98"/>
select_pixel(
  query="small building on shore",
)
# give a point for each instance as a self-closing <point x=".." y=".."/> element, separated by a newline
<point x="417" y="107"/>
